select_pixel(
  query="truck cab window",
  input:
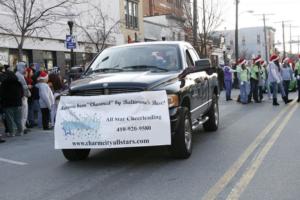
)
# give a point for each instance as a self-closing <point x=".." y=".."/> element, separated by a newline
<point x="189" y="59"/>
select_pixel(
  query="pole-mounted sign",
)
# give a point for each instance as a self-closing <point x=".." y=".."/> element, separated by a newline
<point x="70" y="42"/>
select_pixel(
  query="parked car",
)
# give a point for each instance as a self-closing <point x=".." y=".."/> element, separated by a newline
<point x="191" y="84"/>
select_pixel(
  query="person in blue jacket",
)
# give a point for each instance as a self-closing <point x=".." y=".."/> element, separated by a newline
<point x="228" y="81"/>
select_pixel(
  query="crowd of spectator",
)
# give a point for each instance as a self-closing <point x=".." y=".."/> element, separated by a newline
<point x="28" y="99"/>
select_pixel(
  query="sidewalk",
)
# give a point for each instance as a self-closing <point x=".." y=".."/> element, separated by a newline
<point x="31" y="130"/>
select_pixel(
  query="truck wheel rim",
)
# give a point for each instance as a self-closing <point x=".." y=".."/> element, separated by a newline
<point x="188" y="134"/>
<point x="216" y="114"/>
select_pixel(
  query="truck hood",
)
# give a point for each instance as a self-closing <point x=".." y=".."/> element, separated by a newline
<point x="138" y="80"/>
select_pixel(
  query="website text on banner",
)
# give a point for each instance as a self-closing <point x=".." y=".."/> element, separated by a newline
<point x="113" y="121"/>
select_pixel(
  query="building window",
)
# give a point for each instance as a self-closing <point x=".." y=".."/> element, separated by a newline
<point x="244" y="41"/>
<point x="49" y="59"/>
<point x="131" y="14"/>
<point x="4" y="56"/>
<point x="179" y="36"/>
<point x="67" y="60"/>
<point x="13" y="57"/>
<point x="178" y="3"/>
<point x="186" y="37"/>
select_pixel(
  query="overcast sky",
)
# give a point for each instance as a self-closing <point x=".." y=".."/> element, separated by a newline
<point x="281" y="10"/>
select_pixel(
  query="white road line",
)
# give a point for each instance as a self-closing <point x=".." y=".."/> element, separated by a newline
<point x="12" y="162"/>
<point x="244" y="181"/>
<point x="215" y="190"/>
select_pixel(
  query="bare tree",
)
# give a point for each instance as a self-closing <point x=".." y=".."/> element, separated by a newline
<point x="98" y="27"/>
<point x="28" y="17"/>
<point x="212" y="18"/>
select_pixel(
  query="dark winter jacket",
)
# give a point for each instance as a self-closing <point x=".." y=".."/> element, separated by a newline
<point x="11" y="91"/>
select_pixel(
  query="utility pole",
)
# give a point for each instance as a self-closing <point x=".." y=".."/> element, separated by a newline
<point x="283" y="41"/>
<point x="291" y="39"/>
<point x="195" y="24"/>
<point x="283" y="36"/>
<point x="266" y="40"/>
<point x="298" y="44"/>
<point x="204" y="29"/>
<point x="267" y="45"/>
<point x="236" y="30"/>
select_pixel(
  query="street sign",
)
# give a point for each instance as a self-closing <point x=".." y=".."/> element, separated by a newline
<point x="70" y="42"/>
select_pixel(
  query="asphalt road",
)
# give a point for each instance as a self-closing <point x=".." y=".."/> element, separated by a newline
<point x="253" y="155"/>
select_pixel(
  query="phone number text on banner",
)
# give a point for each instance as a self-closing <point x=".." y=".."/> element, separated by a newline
<point x="113" y="121"/>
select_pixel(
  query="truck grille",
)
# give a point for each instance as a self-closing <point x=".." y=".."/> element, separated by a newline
<point x="102" y="91"/>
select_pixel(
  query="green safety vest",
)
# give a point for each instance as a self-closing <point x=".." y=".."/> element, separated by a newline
<point x="254" y="70"/>
<point x="298" y="67"/>
<point x="244" y="74"/>
<point x="238" y="69"/>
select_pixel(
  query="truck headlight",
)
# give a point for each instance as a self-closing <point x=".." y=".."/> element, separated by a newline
<point x="173" y="100"/>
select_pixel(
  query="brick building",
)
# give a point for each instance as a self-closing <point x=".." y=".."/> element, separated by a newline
<point x="163" y="7"/>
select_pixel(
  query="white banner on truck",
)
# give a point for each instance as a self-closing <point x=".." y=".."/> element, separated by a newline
<point x="113" y="121"/>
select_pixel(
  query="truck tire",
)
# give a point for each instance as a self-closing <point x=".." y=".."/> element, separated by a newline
<point x="76" y="154"/>
<point x="213" y="116"/>
<point x="182" y="140"/>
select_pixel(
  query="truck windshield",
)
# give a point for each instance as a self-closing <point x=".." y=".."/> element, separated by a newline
<point x="156" y="57"/>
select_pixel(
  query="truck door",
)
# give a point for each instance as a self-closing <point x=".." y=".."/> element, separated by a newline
<point x="196" y="89"/>
<point x="204" y="93"/>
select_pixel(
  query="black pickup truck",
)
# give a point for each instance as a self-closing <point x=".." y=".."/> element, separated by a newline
<point x="190" y="82"/>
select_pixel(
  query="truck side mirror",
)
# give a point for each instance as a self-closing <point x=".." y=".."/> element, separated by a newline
<point x="203" y="65"/>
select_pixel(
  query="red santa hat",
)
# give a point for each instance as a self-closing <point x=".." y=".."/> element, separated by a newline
<point x="262" y="62"/>
<point x="287" y="59"/>
<point x="274" y="58"/>
<point x="242" y="61"/>
<point x="257" y="59"/>
<point x="43" y="76"/>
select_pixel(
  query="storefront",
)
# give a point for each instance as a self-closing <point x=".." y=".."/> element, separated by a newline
<point x="44" y="59"/>
<point x="13" y="57"/>
<point x="49" y="59"/>
<point x="4" y="56"/>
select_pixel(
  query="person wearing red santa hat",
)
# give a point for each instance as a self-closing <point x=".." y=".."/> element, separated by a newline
<point x="244" y="76"/>
<point x="275" y="79"/>
<point x="287" y="76"/>
<point x="262" y="79"/>
<point x="254" y="79"/>
<point x="46" y="100"/>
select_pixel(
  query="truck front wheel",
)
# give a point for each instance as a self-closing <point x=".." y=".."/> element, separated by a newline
<point x="213" y="116"/>
<point x="182" y="140"/>
<point x="76" y="154"/>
